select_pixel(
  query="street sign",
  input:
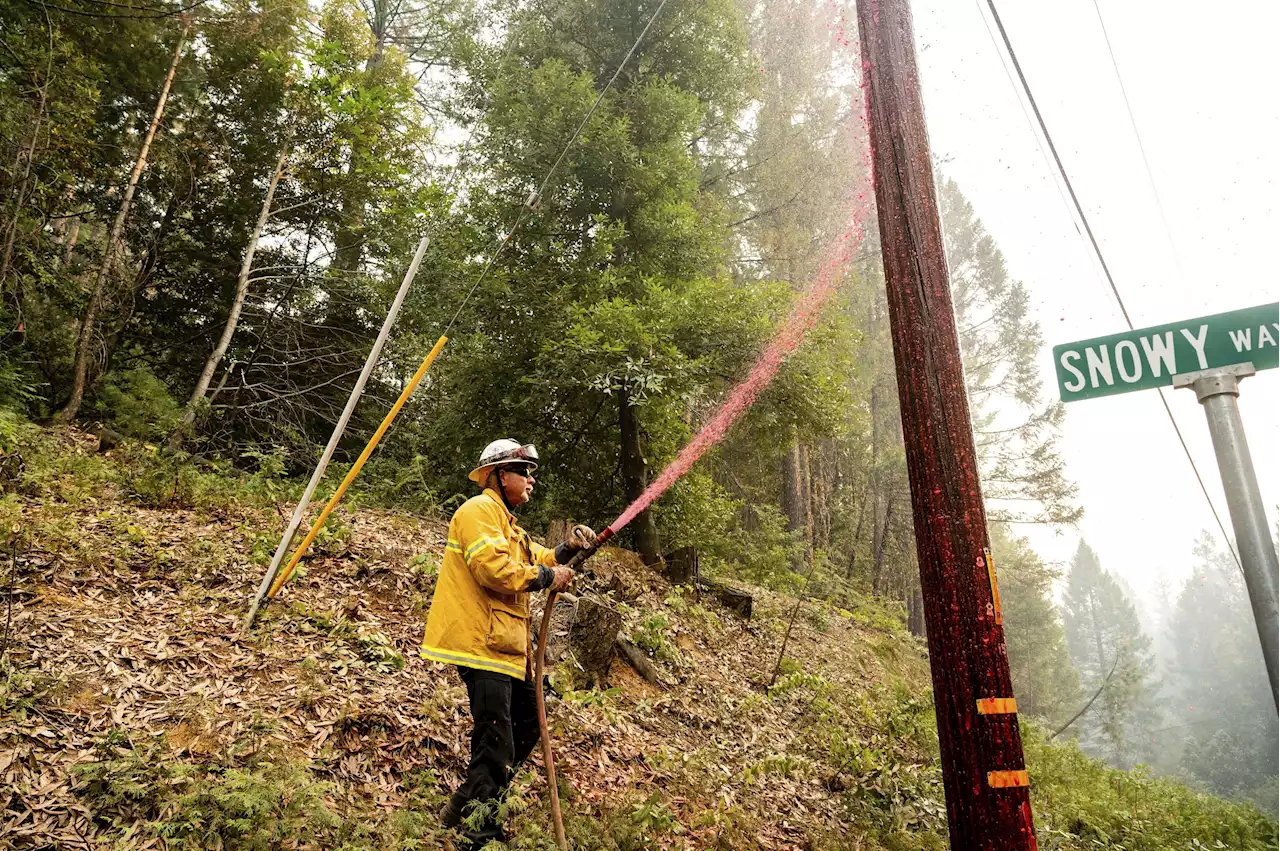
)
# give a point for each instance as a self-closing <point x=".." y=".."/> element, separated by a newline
<point x="1210" y="355"/>
<point x="1150" y="357"/>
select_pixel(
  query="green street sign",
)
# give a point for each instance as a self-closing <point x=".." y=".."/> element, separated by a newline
<point x="1150" y="357"/>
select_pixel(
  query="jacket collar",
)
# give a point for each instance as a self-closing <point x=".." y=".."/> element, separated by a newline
<point x="497" y="498"/>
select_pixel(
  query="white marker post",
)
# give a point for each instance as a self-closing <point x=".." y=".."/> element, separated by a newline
<point x="1210" y="355"/>
<point x="338" y="429"/>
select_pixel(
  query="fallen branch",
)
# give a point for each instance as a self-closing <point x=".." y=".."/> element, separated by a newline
<point x="1096" y="695"/>
<point x="785" y="639"/>
<point x="639" y="661"/>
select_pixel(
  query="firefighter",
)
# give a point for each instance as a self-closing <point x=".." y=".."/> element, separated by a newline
<point x="479" y="622"/>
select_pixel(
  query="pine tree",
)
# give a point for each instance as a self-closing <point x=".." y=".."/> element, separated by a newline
<point x="1113" y="654"/>
<point x="1225" y="721"/>
<point x="1044" y="681"/>
<point x="1016" y="428"/>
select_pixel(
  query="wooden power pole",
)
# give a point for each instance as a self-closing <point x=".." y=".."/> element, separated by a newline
<point x="983" y="773"/>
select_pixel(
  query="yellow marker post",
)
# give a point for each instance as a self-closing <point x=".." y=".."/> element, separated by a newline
<point x="995" y="589"/>
<point x="355" y="469"/>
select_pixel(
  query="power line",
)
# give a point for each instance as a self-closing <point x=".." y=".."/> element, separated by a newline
<point x="1142" y="149"/>
<point x="1027" y="116"/>
<point x="536" y="196"/>
<point x="1057" y="185"/>
<point x="1084" y="220"/>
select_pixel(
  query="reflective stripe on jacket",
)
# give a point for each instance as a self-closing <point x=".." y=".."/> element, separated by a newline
<point x="479" y="616"/>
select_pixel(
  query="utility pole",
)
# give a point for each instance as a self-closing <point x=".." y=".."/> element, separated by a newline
<point x="1217" y="390"/>
<point x="983" y="773"/>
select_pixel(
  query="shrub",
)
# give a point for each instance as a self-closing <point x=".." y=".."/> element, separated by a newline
<point x="136" y="403"/>
<point x="260" y="810"/>
<point x="654" y="635"/>
<point x="1081" y="803"/>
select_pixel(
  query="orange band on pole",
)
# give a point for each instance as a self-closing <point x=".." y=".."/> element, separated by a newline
<point x="1008" y="779"/>
<point x="355" y="468"/>
<point x="997" y="706"/>
<point x="995" y="589"/>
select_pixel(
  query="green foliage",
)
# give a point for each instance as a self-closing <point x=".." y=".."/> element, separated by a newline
<point x="15" y="431"/>
<point x="655" y="636"/>
<point x="251" y="810"/>
<point x="379" y="651"/>
<point x="763" y="554"/>
<point x="654" y="817"/>
<point x="267" y="482"/>
<point x="18" y="387"/>
<point x="424" y="565"/>
<point x="22" y="692"/>
<point x="407" y="484"/>
<point x="773" y="765"/>
<point x="138" y="404"/>
<point x="350" y="645"/>
<point x="1021" y="464"/>
<point x="876" y="613"/>
<point x="124" y="783"/>
<point x="593" y="697"/>
<point x="1044" y="680"/>
<point x="1082" y="804"/>
<point x="1223" y="716"/>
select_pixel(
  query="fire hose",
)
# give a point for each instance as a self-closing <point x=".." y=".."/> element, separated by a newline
<point x="539" y="664"/>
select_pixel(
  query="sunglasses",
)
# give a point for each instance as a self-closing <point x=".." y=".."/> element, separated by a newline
<point x="522" y="472"/>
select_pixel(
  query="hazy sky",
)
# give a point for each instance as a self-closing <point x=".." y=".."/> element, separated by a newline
<point x="1201" y="81"/>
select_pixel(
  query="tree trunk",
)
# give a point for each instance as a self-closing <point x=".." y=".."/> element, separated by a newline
<point x="233" y="316"/>
<point x="584" y="629"/>
<point x="857" y="534"/>
<point x="25" y="159"/>
<point x="873" y="488"/>
<point x="635" y="478"/>
<point x="84" y="342"/>
<point x="1097" y="629"/>
<point x="795" y="491"/>
<point x="915" y="622"/>
<point x="881" y="538"/>
<point x="806" y="496"/>
<point x="682" y="566"/>
<point x="792" y="482"/>
<point x="68" y="249"/>
<point x="824" y="484"/>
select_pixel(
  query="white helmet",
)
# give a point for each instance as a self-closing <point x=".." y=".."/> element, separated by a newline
<point x="501" y="453"/>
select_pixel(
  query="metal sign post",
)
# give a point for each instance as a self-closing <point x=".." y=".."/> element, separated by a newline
<point x="1210" y="355"/>
<point x="1217" y="390"/>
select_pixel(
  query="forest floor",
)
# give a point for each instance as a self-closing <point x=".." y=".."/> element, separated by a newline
<point x="134" y="713"/>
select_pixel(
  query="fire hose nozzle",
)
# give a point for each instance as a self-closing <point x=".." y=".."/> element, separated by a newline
<point x="591" y="549"/>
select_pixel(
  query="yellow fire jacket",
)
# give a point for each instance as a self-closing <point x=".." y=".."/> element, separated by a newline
<point x="479" y="615"/>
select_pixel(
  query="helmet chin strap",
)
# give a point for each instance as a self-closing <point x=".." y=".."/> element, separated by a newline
<point x="502" y="491"/>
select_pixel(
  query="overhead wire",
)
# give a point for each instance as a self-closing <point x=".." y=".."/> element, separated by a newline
<point x="1084" y="220"/>
<point x="1142" y="149"/>
<point x="1044" y="154"/>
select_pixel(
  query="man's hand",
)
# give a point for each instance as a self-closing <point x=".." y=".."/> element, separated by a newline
<point x="581" y="537"/>
<point x="563" y="578"/>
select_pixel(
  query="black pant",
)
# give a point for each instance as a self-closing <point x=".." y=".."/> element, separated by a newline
<point x="505" y="715"/>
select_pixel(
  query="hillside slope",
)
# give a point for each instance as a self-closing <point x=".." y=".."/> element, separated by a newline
<point x="135" y="714"/>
